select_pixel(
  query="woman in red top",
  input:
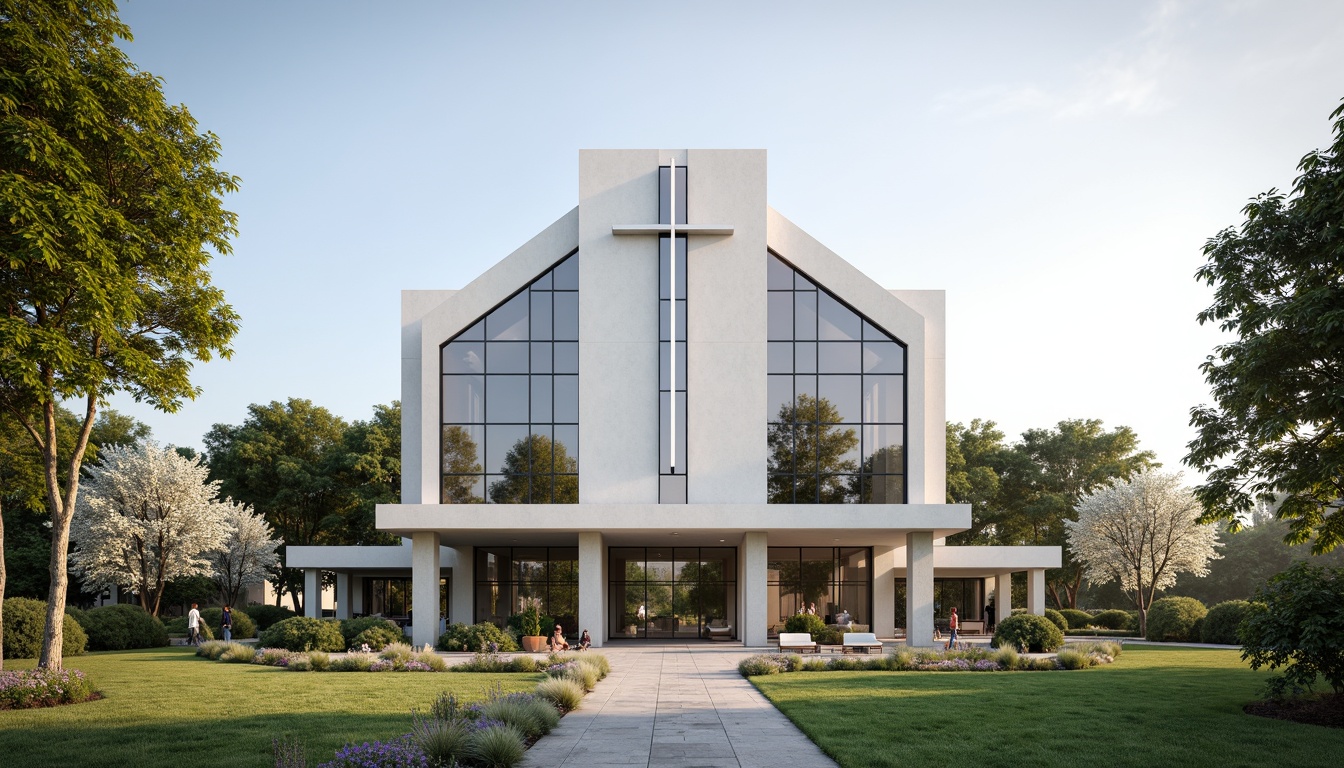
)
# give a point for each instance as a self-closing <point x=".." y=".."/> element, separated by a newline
<point x="952" y="625"/>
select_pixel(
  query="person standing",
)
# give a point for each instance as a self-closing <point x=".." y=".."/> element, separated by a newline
<point x="952" y="626"/>
<point x="226" y="624"/>
<point x="194" y="626"/>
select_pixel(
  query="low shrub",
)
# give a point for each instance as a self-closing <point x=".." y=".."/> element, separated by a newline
<point x="563" y="693"/>
<point x="1076" y="619"/>
<point x="761" y="664"/>
<point x="1098" y="633"/>
<point x="1028" y="632"/>
<point x="351" y="629"/>
<point x="533" y="717"/>
<point x="497" y="746"/>
<point x="299" y="663"/>
<point x="475" y="638"/>
<point x="273" y="657"/>
<point x="303" y="634"/>
<point x="211" y="649"/>
<point x="355" y="662"/>
<point x="25" y="620"/>
<point x="1043" y="665"/>
<point x="805" y="622"/>
<point x="237" y="653"/>
<point x="41" y="687"/>
<point x="595" y="659"/>
<point x="379" y="637"/>
<point x="1112" y="619"/>
<point x="1057" y="619"/>
<point x="319" y="661"/>
<point x="244" y="627"/>
<point x="1108" y="648"/>
<point x="122" y="627"/>
<point x="1070" y="658"/>
<point x="813" y="665"/>
<point x="265" y="616"/>
<point x="398" y="653"/>
<point x="401" y="752"/>
<point x="432" y="660"/>
<point x="1175" y="619"/>
<point x="1222" y="621"/>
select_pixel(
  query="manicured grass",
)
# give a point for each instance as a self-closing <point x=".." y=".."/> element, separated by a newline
<point x="167" y="707"/>
<point x="1152" y="707"/>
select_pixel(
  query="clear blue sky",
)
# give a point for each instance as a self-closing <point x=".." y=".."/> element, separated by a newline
<point x="1055" y="167"/>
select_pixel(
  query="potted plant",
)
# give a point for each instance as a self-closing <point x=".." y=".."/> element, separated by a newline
<point x="530" y="622"/>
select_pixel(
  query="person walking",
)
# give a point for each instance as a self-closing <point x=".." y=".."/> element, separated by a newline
<point x="194" y="626"/>
<point x="952" y="626"/>
<point x="226" y="624"/>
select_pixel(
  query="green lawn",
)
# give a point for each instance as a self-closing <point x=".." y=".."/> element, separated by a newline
<point x="1152" y="707"/>
<point x="167" y="707"/>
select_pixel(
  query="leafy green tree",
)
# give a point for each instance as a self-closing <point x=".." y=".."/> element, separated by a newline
<point x="808" y="452"/>
<point x="367" y="468"/>
<point x="527" y="474"/>
<point x="1276" y="430"/>
<point x="110" y="208"/>
<point x="279" y="461"/>
<point x="974" y="459"/>
<point x="1044" y="476"/>
<point x="460" y="466"/>
<point x="1297" y="622"/>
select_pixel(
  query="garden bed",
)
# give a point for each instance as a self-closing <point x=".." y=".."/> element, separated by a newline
<point x="1325" y="709"/>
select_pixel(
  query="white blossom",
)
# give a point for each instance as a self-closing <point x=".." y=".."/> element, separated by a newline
<point x="1142" y="532"/>
<point x="147" y="515"/>
<point x="248" y="552"/>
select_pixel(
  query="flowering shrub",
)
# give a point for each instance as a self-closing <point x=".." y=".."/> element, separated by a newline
<point x="42" y="687"/>
<point x="1076" y="656"/>
<point x="417" y="666"/>
<point x="271" y="657"/>
<point x="382" y="665"/>
<point x="394" y="753"/>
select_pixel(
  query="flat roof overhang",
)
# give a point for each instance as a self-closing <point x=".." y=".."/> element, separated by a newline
<point x="673" y="524"/>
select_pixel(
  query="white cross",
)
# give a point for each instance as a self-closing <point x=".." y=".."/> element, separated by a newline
<point x="670" y="229"/>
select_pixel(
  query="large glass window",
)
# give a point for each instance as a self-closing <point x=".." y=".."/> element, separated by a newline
<point x="511" y="398"/>
<point x="391" y="597"/>
<point x="835" y="583"/>
<point x="505" y="576"/>
<point x="671" y="341"/>
<point x="836" y="410"/>
<point x="966" y="595"/>
<point x="672" y="592"/>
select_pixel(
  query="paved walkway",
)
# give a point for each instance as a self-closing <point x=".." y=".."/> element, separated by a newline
<point x="676" y="707"/>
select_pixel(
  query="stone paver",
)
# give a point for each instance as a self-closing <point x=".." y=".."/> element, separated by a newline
<point x="676" y="706"/>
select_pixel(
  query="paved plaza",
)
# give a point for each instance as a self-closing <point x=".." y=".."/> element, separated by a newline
<point x="676" y="706"/>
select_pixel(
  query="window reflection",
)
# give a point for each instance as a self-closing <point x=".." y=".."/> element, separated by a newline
<point x="836" y="436"/>
<point x="502" y="399"/>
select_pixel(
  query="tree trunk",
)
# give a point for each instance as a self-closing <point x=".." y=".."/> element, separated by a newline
<point x="62" y="510"/>
<point x="53" y="637"/>
<point x="2" y="581"/>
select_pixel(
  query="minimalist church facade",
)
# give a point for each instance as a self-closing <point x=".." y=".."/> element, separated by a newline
<point x="675" y="415"/>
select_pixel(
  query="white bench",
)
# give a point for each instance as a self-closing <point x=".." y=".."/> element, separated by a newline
<point x="971" y="627"/>
<point x="797" y="641"/>
<point x="718" y="629"/>
<point x="861" y="641"/>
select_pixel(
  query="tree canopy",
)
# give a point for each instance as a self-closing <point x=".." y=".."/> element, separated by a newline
<point x="110" y="211"/>
<point x="810" y="454"/>
<point x="1276" y="429"/>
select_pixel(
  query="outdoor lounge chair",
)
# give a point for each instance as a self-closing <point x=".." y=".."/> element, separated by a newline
<point x="797" y="641"/>
<point x="718" y="629"/>
<point x="861" y="641"/>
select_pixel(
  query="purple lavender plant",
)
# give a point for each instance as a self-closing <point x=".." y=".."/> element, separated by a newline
<point x="401" y="752"/>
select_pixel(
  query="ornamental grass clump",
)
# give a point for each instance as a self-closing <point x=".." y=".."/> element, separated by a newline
<point x="398" y="654"/>
<point x="760" y="664"/>
<point x="431" y="659"/>
<point x="530" y="715"/>
<point x="354" y="662"/>
<point x="584" y="674"/>
<point x="271" y="657"/>
<point x="496" y="746"/>
<point x="563" y="693"/>
<point x="1070" y="658"/>
<point x="444" y="742"/>
<point x="211" y="649"/>
<point x="42" y="687"/>
<point x="1006" y="657"/>
<point x="237" y="653"/>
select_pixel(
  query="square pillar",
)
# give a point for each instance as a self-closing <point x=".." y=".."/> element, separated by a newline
<point x="1036" y="591"/>
<point x="461" y="603"/>
<point x="884" y="591"/>
<point x="754" y="629"/>
<point x="1003" y="596"/>
<point x="425" y="588"/>
<point x="343" y="610"/>
<point x="356" y="594"/>
<point x="919" y="589"/>
<point x="312" y="593"/>
<point x="592" y="577"/>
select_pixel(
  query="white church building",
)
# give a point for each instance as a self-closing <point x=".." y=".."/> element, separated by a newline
<point x="674" y="415"/>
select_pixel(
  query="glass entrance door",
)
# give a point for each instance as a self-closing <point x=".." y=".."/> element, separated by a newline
<point x="672" y="593"/>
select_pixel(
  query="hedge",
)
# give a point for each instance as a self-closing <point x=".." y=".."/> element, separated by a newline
<point x="1035" y="634"/>
<point x="25" y="620"/>
<point x="243" y="626"/>
<point x="1112" y="619"/>
<point x="266" y="615"/>
<point x="475" y="637"/>
<point x="1057" y="618"/>
<point x="122" y="627"/>
<point x="351" y="628"/>
<point x="1175" y="619"/>
<point x="1077" y="619"/>
<point x="1222" y="621"/>
<point x="303" y="634"/>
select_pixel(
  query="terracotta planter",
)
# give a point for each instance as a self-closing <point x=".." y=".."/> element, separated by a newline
<point x="533" y="643"/>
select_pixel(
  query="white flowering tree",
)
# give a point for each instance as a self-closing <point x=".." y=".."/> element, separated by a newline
<point x="1142" y="532"/>
<point x="248" y="553"/>
<point x="147" y="515"/>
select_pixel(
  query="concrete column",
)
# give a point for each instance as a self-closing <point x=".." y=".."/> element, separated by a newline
<point x="356" y="594"/>
<point x="114" y="595"/>
<point x="312" y="593"/>
<point x="919" y="589"/>
<point x="592" y="578"/>
<point x="1003" y="596"/>
<point x="461" y="603"/>
<point x="424" y="588"/>
<point x="755" y="613"/>
<point x="884" y="591"/>
<point x="1036" y="591"/>
<point x="343" y="609"/>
